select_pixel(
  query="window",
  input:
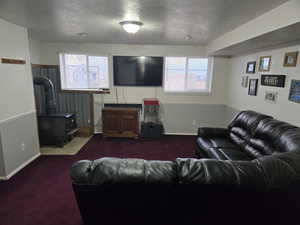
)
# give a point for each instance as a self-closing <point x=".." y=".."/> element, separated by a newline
<point x="184" y="74"/>
<point x="83" y="72"/>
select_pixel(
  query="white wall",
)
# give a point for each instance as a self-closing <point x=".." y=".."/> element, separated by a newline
<point x="50" y="51"/>
<point x="239" y="99"/>
<point x="49" y="56"/>
<point x="16" y="101"/>
<point x="34" y="48"/>
<point x="15" y="80"/>
<point x="282" y="16"/>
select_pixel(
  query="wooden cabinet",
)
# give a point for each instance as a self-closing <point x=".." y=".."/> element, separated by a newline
<point x="120" y="122"/>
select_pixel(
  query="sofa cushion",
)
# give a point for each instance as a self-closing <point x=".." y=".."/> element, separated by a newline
<point x="210" y="171"/>
<point x="261" y="146"/>
<point x="205" y="145"/>
<point x="214" y="153"/>
<point x="273" y="136"/>
<point x="205" y="142"/>
<point x="224" y="153"/>
<point x="252" y="151"/>
<point x="234" y="154"/>
<point x="243" y="126"/>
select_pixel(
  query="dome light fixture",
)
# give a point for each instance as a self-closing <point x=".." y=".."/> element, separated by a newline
<point x="83" y="34"/>
<point x="188" y="37"/>
<point x="131" y="26"/>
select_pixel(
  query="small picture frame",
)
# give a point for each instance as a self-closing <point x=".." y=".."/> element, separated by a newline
<point x="271" y="97"/>
<point x="290" y="59"/>
<point x="244" y="81"/>
<point x="251" y="67"/>
<point x="294" y="95"/>
<point x="265" y="63"/>
<point x="253" y="87"/>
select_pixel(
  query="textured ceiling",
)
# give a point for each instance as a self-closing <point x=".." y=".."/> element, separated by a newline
<point x="283" y="37"/>
<point x="165" y="21"/>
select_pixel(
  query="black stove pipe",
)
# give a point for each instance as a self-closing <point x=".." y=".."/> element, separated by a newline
<point x="49" y="93"/>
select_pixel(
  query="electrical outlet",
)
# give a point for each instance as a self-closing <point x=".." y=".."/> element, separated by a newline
<point x="23" y="147"/>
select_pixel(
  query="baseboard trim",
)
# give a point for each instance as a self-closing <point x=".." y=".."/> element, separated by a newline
<point x="20" y="167"/>
<point x="183" y="134"/>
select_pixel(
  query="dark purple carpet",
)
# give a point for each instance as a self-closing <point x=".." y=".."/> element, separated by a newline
<point x="41" y="194"/>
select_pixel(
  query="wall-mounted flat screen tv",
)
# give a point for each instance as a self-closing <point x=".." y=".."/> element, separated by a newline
<point x="138" y="70"/>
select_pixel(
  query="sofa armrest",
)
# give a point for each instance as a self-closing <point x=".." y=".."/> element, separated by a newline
<point x="212" y="132"/>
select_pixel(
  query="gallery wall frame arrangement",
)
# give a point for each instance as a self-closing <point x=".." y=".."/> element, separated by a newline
<point x="290" y="59"/>
<point x="271" y="96"/>
<point x="253" y="83"/>
<point x="265" y="63"/>
<point x="245" y="81"/>
<point x="273" y="80"/>
<point x="251" y="67"/>
<point x="294" y="94"/>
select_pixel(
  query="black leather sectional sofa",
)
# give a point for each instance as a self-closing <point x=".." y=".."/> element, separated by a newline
<point x="246" y="174"/>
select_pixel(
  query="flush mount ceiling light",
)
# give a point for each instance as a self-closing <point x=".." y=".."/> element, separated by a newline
<point x="188" y="37"/>
<point x="82" y="34"/>
<point x="131" y="26"/>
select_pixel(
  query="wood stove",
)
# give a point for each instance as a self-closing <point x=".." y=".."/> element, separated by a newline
<point x="54" y="128"/>
<point x="57" y="128"/>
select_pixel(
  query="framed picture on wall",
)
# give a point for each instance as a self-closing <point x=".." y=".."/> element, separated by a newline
<point x="273" y="80"/>
<point x="244" y="81"/>
<point x="271" y="96"/>
<point x="253" y="87"/>
<point x="290" y="59"/>
<point x="251" y="67"/>
<point x="265" y="63"/>
<point x="294" y="95"/>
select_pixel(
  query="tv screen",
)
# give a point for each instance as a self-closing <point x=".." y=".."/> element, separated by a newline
<point x="138" y="70"/>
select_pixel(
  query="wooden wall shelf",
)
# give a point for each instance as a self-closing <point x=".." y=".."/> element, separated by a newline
<point x="13" y="61"/>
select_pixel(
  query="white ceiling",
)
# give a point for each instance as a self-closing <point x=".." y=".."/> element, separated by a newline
<point x="165" y="21"/>
<point x="287" y="36"/>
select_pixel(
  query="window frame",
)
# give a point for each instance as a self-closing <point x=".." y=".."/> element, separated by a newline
<point x="82" y="90"/>
<point x="192" y="91"/>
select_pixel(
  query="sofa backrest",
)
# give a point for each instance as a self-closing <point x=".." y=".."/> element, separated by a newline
<point x="242" y="128"/>
<point x="273" y="136"/>
<point x="118" y="170"/>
